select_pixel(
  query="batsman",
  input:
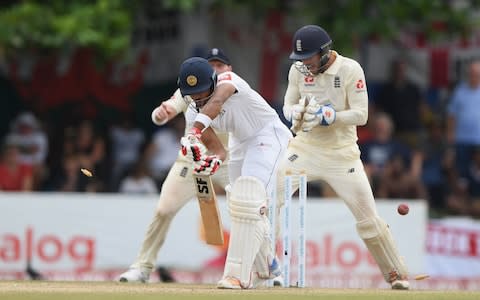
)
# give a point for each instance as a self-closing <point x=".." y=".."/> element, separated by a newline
<point x="326" y="99"/>
<point x="178" y="188"/>
<point x="257" y="141"/>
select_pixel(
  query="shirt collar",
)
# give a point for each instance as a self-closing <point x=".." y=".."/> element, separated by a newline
<point x="333" y="69"/>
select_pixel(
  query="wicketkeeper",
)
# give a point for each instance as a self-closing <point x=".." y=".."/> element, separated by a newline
<point x="326" y="99"/>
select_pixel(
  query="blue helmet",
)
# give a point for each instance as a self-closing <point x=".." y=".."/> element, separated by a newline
<point x="196" y="76"/>
<point x="310" y="40"/>
<point x="218" y="54"/>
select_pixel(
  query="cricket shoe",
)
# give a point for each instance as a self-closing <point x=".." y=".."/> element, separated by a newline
<point x="400" y="285"/>
<point x="230" y="283"/>
<point x="278" y="281"/>
<point x="135" y="275"/>
<point x="398" y="281"/>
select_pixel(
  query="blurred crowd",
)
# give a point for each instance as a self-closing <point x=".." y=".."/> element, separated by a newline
<point x="120" y="157"/>
<point x="411" y="149"/>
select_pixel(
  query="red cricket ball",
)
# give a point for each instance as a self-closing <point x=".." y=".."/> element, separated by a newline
<point x="403" y="209"/>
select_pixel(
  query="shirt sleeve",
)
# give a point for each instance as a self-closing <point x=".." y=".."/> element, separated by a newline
<point x="453" y="104"/>
<point x="227" y="78"/>
<point x="357" y="98"/>
<point x="178" y="102"/>
<point x="292" y="95"/>
<point x="41" y="141"/>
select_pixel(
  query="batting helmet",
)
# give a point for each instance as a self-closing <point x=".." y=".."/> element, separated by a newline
<point x="196" y="76"/>
<point x="310" y="40"/>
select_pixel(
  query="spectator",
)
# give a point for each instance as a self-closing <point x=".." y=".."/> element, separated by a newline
<point x="68" y="141"/>
<point x="32" y="143"/>
<point x="463" y="124"/>
<point x="68" y="178"/>
<point x="91" y="149"/>
<point x="437" y="165"/>
<point x="138" y="181"/>
<point x="403" y="101"/>
<point x="127" y="141"/>
<point x="377" y="152"/>
<point x="473" y="178"/>
<point x="398" y="182"/>
<point x="458" y="201"/>
<point x="162" y="150"/>
<point x="14" y="175"/>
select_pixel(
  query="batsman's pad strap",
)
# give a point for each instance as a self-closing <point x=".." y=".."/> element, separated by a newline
<point x="379" y="241"/>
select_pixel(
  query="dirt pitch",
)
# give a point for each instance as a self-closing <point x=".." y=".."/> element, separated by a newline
<point x="55" y="290"/>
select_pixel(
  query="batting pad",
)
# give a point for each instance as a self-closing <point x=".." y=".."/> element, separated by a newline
<point x="379" y="241"/>
<point x="249" y="227"/>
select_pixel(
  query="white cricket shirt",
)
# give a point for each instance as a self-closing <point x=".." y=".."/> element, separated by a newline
<point x="342" y="86"/>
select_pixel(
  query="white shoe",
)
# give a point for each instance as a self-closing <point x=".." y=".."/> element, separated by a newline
<point x="278" y="281"/>
<point x="135" y="275"/>
<point x="229" y="283"/>
<point x="400" y="285"/>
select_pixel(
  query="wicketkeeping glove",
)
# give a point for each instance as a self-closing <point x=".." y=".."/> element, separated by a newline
<point x="317" y="114"/>
<point x="208" y="165"/>
<point x="297" y="114"/>
<point x="192" y="148"/>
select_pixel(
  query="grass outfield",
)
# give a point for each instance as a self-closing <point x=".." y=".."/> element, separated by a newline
<point x="55" y="290"/>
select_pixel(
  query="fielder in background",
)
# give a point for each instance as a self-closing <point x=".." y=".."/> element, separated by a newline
<point x="178" y="187"/>
<point x="326" y="99"/>
<point x="257" y="142"/>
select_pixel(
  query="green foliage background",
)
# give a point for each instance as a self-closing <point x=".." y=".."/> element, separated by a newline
<point x="55" y="24"/>
<point x="106" y="25"/>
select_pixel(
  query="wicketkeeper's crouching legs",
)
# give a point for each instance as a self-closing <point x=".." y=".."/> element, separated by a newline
<point x="249" y="236"/>
<point x="379" y="241"/>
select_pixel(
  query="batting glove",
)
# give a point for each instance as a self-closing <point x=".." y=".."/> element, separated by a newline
<point x="208" y="165"/>
<point x="192" y="148"/>
<point x="317" y="114"/>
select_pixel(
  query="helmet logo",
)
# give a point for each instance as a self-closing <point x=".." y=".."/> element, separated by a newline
<point x="298" y="45"/>
<point x="192" y="80"/>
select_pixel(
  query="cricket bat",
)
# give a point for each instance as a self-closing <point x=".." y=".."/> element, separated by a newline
<point x="207" y="200"/>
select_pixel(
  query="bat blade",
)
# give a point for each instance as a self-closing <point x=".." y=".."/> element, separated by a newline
<point x="207" y="201"/>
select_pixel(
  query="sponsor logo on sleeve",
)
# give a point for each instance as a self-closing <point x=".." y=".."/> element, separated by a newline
<point x="223" y="77"/>
<point x="360" y="84"/>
